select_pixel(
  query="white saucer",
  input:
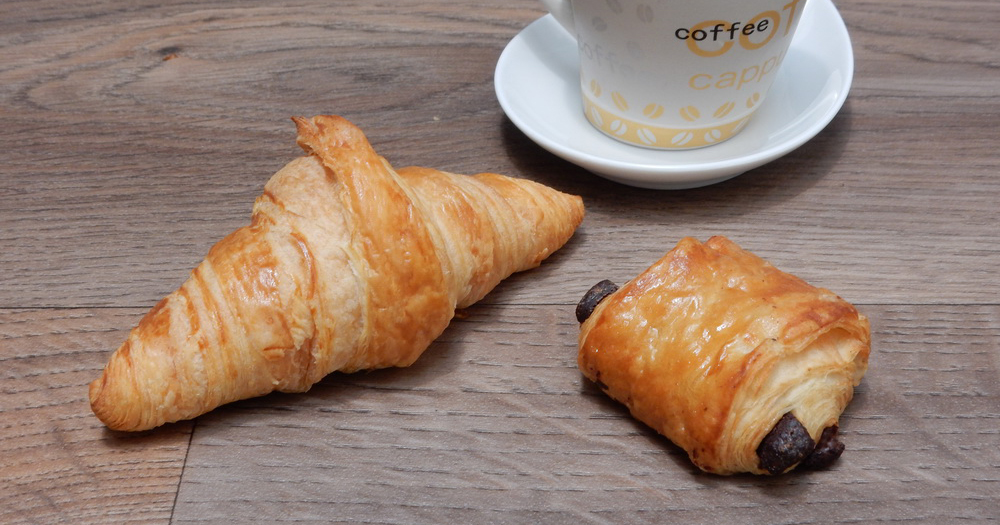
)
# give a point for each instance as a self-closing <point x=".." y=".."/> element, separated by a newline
<point x="537" y="84"/>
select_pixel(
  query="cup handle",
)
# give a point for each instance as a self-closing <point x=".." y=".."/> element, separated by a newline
<point x="562" y="11"/>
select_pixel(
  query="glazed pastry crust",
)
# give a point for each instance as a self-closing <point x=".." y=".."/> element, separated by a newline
<point x="712" y="345"/>
<point x="346" y="265"/>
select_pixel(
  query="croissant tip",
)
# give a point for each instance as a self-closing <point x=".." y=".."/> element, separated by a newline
<point x="94" y="390"/>
<point x="98" y="403"/>
<point x="303" y="125"/>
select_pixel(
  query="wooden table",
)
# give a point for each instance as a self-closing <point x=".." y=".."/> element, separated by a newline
<point x="136" y="134"/>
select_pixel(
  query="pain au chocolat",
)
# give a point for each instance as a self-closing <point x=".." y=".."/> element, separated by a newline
<point x="745" y="367"/>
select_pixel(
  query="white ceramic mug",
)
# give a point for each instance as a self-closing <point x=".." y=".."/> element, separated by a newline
<point x="676" y="74"/>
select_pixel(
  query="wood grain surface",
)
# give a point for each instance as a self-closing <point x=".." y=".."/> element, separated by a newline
<point x="137" y="134"/>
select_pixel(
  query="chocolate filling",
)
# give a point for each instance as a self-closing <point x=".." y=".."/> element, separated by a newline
<point x="593" y="297"/>
<point x="826" y="452"/>
<point x="785" y="445"/>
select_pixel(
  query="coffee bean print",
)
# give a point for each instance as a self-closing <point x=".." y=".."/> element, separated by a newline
<point x="690" y="113"/>
<point x="681" y="139"/>
<point x="646" y="136"/>
<point x="618" y="127"/>
<point x="619" y="100"/>
<point x="724" y="109"/>
<point x="644" y="13"/>
<point x="595" y="88"/>
<point x="653" y="111"/>
<point x="596" y="118"/>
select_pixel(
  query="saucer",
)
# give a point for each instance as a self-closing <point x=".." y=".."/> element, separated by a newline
<point x="537" y="85"/>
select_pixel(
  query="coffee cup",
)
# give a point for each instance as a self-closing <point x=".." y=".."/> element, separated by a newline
<point x="676" y="74"/>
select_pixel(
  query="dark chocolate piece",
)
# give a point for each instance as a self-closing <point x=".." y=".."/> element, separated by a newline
<point x="593" y="297"/>
<point x="826" y="452"/>
<point x="785" y="445"/>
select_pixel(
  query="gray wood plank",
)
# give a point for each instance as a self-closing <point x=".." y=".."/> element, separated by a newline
<point x="495" y="423"/>
<point x="57" y="461"/>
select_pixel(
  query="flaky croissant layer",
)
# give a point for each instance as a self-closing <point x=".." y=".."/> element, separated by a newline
<point x="347" y="264"/>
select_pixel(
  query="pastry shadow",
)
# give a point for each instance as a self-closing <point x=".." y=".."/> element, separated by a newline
<point x="167" y="435"/>
<point x="342" y="392"/>
<point x="630" y="426"/>
<point x="779" y="487"/>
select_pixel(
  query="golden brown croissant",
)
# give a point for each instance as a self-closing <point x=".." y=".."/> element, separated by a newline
<point x="347" y="265"/>
<point x="743" y="366"/>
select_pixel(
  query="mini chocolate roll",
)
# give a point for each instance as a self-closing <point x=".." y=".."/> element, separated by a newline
<point x="826" y="452"/>
<point x="785" y="445"/>
<point x="593" y="297"/>
<point x="711" y="346"/>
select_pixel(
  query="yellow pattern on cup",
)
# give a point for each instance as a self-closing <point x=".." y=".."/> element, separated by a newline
<point x="653" y="111"/>
<point x="681" y="139"/>
<point x="713" y="135"/>
<point x="595" y="116"/>
<point x="690" y="113"/>
<point x="753" y="100"/>
<point x="644" y="134"/>
<point x="618" y="127"/>
<point x="724" y="109"/>
<point x="619" y="101"/>
<point x="595" y="88"/>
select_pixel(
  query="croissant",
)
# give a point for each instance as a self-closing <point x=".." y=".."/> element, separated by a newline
<point x="745" y="367"/>
<point x="346" y="265"/>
